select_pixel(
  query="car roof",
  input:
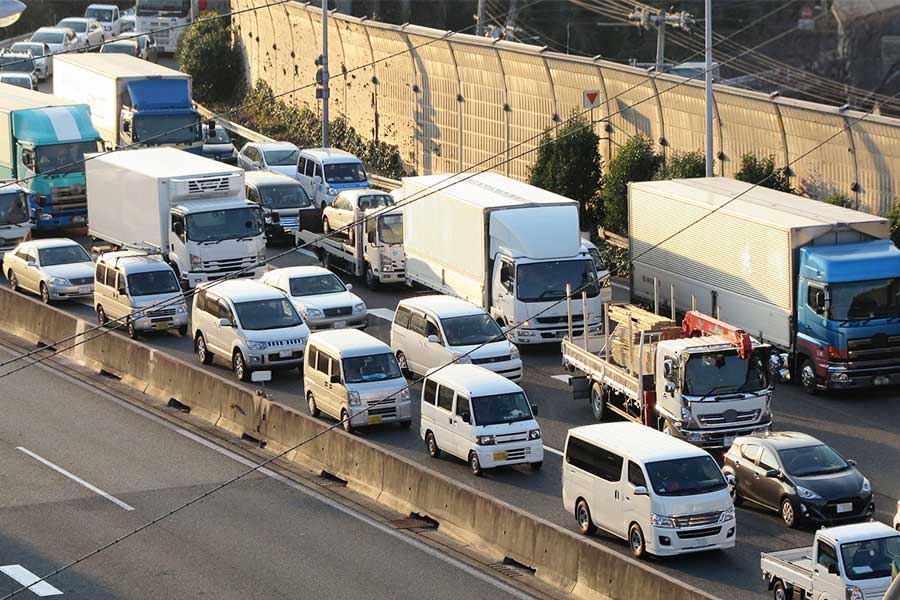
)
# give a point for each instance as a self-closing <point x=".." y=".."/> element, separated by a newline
<point x="122" y="42"/>
<point x="348" y="343"/>
<point x="52" y="243"/>
<point x="638" y="442"/>
<point x="55" y="29"/>
<point x="331" y="155"/>
<point x="781" y="440"/>
<point x="133" y="261"/>
<point x="243" y="290"/>
<point x="355" y="194"/>
<point x="442" y="306"/>
<point x="102" y="6"/>
<point x="472" y="380"/>
<point x="77" y="19"/>
<point x="856" y="532"/>
<point x="308" y="271"/>
<point x="271" y="177"/>
<point x="273" y="145"/>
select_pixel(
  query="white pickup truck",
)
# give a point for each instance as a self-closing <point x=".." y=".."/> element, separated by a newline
<point x="850" y="562"/>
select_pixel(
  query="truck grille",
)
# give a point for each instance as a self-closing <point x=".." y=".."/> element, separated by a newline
<point x="82" y="280"/>
<point x="388" y="411"/>
<point x="227" y="266"/>
<point x="729" y="416"/>
<point x="289" y="222"/>
<point x="490" y="359"/>
<point x="339" y="311"/>
<point x="515" y="454"/>
<point x="698" y="533"/>
<point x="210" y="184"/>
<point x="874" y="351"/>
<point x="558" y="320"/>
<point x="163" y="312"/>
<point x="512" y="437"/>
<point x="697" y="520"/>
<point x="68" y="198"/>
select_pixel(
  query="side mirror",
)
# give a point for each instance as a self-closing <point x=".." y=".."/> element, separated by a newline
<point x="31" y="263"/>
<point x="851" y="462"/>
<point x="466" y="418"/>
<point x="729" y="479"/>
<point x="28" y="159"/>
<point x="126" y="126"/>
<point x="349" y="286"/>
<point x="433" y="339"/>
<point x="640" y="491"/>
<point x="336" y="378"/>
<point x="371" y="237"/>
<point x="669" y="388"/>
<point x="224" y="322"/>
<point x="534" y="409"/>
<point x="668" y="370"/>
<point x="772" y="473"/>
<point x="833" y="569"/>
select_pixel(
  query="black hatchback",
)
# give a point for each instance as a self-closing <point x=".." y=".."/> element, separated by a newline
<point x="799" y="477"/>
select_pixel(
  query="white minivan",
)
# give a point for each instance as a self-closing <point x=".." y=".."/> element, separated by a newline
<point x="661" y="494"/>
<point x="430" y="331"/>
<point x="352" y="376"/>
<point x="325" y="172"/>
<point x="479" y="417"/>
<point x="251" y="325"/>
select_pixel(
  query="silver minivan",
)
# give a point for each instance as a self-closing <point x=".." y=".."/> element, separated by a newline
<point x="352" y="376"/>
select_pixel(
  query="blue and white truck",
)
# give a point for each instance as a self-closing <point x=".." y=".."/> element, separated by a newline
<point x="43" y="140"/>
<point x="134" y="103"/>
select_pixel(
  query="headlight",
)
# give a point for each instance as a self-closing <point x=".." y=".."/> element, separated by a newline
<point x="485" y="440"/>
<point x="727" y="515"/>
<point x="60" y="281"/>
<point x="662" y="521"/>
<point x="685" y="413"/>
<point x="331" y="192"/>
<point x="854" y="593"/>
<point x="807" y="494"/>
<point x="534" y="434"/>
<point x="359" y="309"/>
<point x="196" y="262"/>
<point x="514" y="353"/>
<point x="403" y="395"/>
<point x="181" y="309"/>
<point x="867" y="487"/>
<point x="353" y="398"/>
<point x="312" y="313"/>
<point x="257" y="346"/>
<point x="461" y="359"/>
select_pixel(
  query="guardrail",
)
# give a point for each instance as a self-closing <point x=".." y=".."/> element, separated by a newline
<point x="10" y="41"/>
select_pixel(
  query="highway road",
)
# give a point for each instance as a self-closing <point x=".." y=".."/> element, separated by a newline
<point x="863" y="426"/>
<point x="81" y="468"/>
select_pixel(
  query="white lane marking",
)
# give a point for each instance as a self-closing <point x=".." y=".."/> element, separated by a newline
<point x="382" y="313"/>
<point x="27" y="579"/>
<point x="553" y="450"/>
<point x="76" y="479"/>
<point x="563" y="378"/>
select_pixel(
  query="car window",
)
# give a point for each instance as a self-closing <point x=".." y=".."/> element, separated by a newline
<point x="826" y="555"/>
<point x="417" y="324"/>
<point x="23" y="254"/>
<point x="431" y="328"/>
<point x="100" y="273"/>
<point x="429" y="391"/>
<point x="318" y="171"/>
<point x="636" y="475"/>
<point x="110" y="277"/>
<point x="301" y="165"/>
<point x="401" y="319"/>
<point x="463" y="411"/>
<point x="750" y="452"/>
<point x="507" y="275"/>
<point x="323" y="363"/>
<point x="252" y="195"/>
<point x="310" y="168"/>
<point x="594" y="460"/>
<point x="445" y="398"/>
<point x="767" y="461"/>
<point x="120" y="283"/>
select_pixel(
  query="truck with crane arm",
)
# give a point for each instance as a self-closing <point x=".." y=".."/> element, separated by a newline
<point x="704" y="381"/>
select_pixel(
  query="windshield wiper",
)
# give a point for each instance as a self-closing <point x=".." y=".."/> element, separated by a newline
<point x="718" y="388"/>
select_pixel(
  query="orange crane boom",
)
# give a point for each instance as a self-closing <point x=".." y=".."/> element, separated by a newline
<point x="696" y="324"/>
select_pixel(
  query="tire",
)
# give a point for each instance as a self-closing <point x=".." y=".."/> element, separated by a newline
<point x="780" y="593"/>
<point x="45" y="293"/>
<point x="203" y="352"/>
<point x="404" y="364"/>
<point x="102" y="319"/>
<point x="807" y="377"/>
<point x="735" y="494"/>
<point x="132" y="331"/>
<point x="789" y="513"/>
<point x="636" y="542"/>
<point x="183" y="330"/>
<point x="239" y="366"/>
<point x="536" y="466"/>
<point x="13" y="281"/>
<point x="431" y="446"/>
<point x="311" y="405"/>
<point x="598" y="403"/>
<point x="475" y="464"/>
<point x="406" y="424"/>
<point x="371" y="281"/>
<point x="583" y="518"/>
<point x="345" y="421"/>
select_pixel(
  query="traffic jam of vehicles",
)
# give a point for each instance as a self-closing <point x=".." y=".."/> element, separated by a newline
<point x="682" y="378"/>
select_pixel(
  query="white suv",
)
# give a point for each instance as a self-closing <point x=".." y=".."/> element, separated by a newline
<point x="252" y="326"/>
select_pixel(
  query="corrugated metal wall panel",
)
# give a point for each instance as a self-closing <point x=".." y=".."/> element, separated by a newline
<point x="336" y="58"/>
<point x="749" y="124"/>
<point x="267" y="45"/>
<point x="305" y="51"/>
<point x="570" y="80"/>
<point x="632" y="107"/>
<point x="684" y="115"/>
<point x="284" y="67"/>
<point x="530" y="99"/>
<point x="395" y="97"/>
<point x="248" y="31"/>
<point x="484" y="94"/>
<point x="731" y="254"/>
<point x="878" y="157"/>
<point x="356" y="75"/>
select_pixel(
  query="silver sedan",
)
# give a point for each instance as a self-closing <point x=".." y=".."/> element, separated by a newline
<point x="57" y="269"/>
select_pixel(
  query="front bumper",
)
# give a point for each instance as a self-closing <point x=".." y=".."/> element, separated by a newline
<point x="548" y="335"/>
<point x="351" y="321"/>
<point x="721" y="438"/>
<point x="197" y="277"/>
<point x="826" y="511"/>
<point x="44" y="220"/>
<point x="511" y="369"/>
<point x="663" y="541"/>
<point x="841" y="378"/>
<point x="70" y="292"/>
<point x="274" y="358"/>
<point x="391" y="276"/>
<point x="382" y="413"/>
<point x="510" y="453"/>
<point x="153" y="322"/>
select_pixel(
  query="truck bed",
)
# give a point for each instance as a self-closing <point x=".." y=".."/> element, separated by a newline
<point x="793" y="566"/>
<point x="594" y="363"/>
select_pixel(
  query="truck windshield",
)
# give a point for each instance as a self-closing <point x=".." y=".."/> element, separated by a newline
<point x="104" y="15"/>
<point x="169" y="8"/>
<point x="284" y="196"/>
<point x="282" y="158"/>
<point x="501" y="408"/>
<point x="345" y="173"/>
<point x="57" y="159"/>
<point x="226" y="224"/>
<point x="375" y="367"/>
<point x="685" y="476"/>
<point x="812" y="460"/>
<point x="150" y="283"/>
<point x="390" y="229"/>
<point x="861" y="300"/>
<point x="546" y="281"/>
<point x="316" y="285"/>
<point x="724" y="372"/>
<point x="267" y="314"/>
<point x="13" y="208"/>
<point x="16" y="63"/>
<point x="62" y="255"/>
<point x="216" y="136"/>
<point x="870" y="559"/>
<point x="167" y="129"/>
<point x="472" y="329"/>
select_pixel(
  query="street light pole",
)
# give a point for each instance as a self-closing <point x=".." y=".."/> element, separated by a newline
<point x="709" y="90"/>
<point x="325" y="89"/>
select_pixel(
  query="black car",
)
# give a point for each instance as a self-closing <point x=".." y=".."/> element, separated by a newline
<point x="799" y="477"/>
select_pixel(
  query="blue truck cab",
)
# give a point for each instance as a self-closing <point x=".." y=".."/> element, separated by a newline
<point x="161" y="113"/>
<point x="43" y="140"/>
<point x="848" y="315"/>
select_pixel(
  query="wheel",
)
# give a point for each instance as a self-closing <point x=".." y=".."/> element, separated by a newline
<point x="431" y="445"/>
<point x="406" y="424"/>
<point x="240" y="366"/>
<point x="326" y="226"/>
<point x="13" y="281"/>
<point x="475" y="464"/>
<point x="371" y="280"/>
<point x="636" y="541"/>
<point x="132" y="331"/>
<point x="597" y="401"/>
<point x="45" y="293"/>
<point x="788" y="513"/>
<point x="808" y="377"/>
<point x="183" y="330"/>
<point x="311" y="405"/>
<point x="345" y="421"/>
<point x="536" y="466"/>
<point x="102" y="319"/>
<point x="404" y="365"/>
<point x="583" y="518"/>
<point x="203" y="352"/>
<point x="780" y="593"/>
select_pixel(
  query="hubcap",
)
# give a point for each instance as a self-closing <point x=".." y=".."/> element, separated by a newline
<point x="238" y="365"/>
<point x="201" y="348"/>
<point x="311" y="403"/>
<point x="582" y="517"/>
<point x="808" y="376"/>
<point x="635" y="540"/>
<point x="787" y="512"/>
<point x="779" y="594"/>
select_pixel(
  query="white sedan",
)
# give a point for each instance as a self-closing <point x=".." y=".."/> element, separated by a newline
<point x="351" y="205"/>
<point x="57" y="269"/>
<point x="324" y="300"/>
<point x="58" y="39"/>
<point x="89" y="31"/>
<point x="40" y="52"/>
<point x="280" y="157"/>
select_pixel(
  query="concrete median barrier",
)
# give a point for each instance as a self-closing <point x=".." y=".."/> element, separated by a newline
<point x="27" y="318"/>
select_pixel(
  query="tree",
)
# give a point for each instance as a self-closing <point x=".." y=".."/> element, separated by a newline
<point x="570" y="165"/>
<point x="894" y="217"/>
<point x="635" y="161"/>
<point x="762" y="171"/>
<point x="209" y="54"/>
<point x="841" y="200"/>
<point x="682" y="165"/>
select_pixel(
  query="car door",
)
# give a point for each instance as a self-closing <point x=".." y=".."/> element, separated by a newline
<point x="318" y="185"/>
<point x="767" y="489"/>
<point x="444" y="433"/>
<point x="416" y="354"/>
<point x="826" y="582"/>
<point x="436" y="353"/>
<point x="463" y="427"/>
<point x="745" y="469"/>
<point x="504" y="290"/>
<point x="95" y="33"/>
<point x="634" y="507"/>
<point x="224" y="334"/>
<point x="32" y="270"/>
<point x="595" y="473"/>
<point x="302" y="177"/>
<point x="399" y="330"/>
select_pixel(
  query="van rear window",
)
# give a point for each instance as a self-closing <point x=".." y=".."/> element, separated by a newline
<point x="593" y="459"/>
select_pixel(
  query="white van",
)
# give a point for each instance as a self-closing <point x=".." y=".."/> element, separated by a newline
<point x="431" y="331"/>
<point x="661" y="494"/>
<point x="480" y="417"/>
<point x="142" y="289"/>
<point x="324" y="172"/>
<point x="352" y="376"/>
<point x="251" y="325"/>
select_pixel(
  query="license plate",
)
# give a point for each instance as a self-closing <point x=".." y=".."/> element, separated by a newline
<point x="84" y="289"/>
<point x="845" y="507"/>
<point x="78" y="219"/>
<point x="501" y="455"/>
<point x="340" y="324"/>
<point x="881" y="380"/>
<point x="375" y="420"/>
<point x="160" y="326"/>
<point x="285" y="353"/>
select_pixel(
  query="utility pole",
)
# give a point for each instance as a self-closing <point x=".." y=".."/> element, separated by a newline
<point x="645" y="19"/>
<point x="479" y="24"/>
<point x="709" y="90"/>
<point x="661" y="42"/>
<point x="325" y="94"/>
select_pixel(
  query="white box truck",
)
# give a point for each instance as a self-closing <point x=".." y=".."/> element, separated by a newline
<point x="133" y="101"/>
<point x="820" y="282"/>
<point x="192" y="208"/>
<point x="501" y="244"/>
